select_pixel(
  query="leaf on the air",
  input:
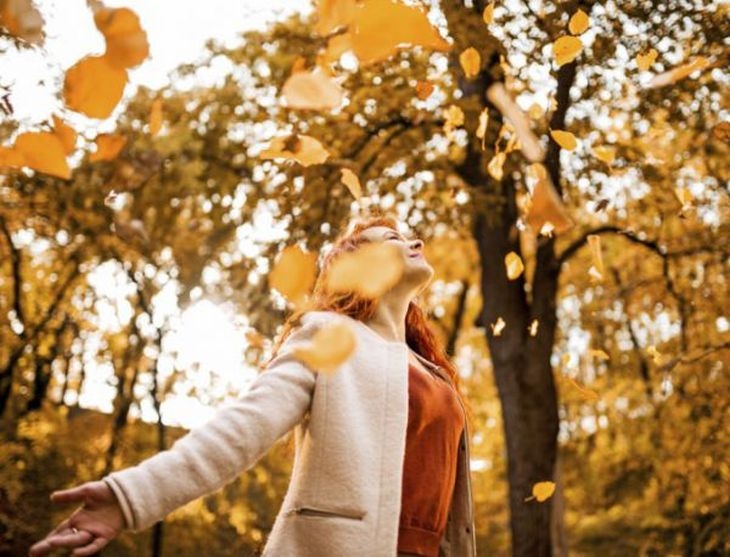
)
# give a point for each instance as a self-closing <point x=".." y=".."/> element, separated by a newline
<point x="684" y="195"/>
<point x="108" y="147"/>
<point x="672" y="76"/>
<point x="596" y="270"/>
<point x="604" y="153"/>
<point x="598" y="354"/>
<point x="300" y="148"/>
<point x="424" y="89"/>
<point x="646" y="60"/>
<point x="333" y="14"/>
<point x="370" y="270"/>
<point x="350" y="179"/>
<point x="570" y="383"/>
<point x="22" y="20"/>
<point x="126" y="41"/>
<point x="498" y="327"/>
<point x="10" y="157"/>
<point x="65" y="133"/>
<point x="380" y="27"/>
<point x="529" y="143"/>
<point x="566" y="49"/>
<point x="514" y="265"/>
<point x="93" y="86"/>
<point x="155" y="123"/>
<point x="294" y="273"/>
<point x="481" y="132"/>
<point x="533" y="327"/>
<point x="312" y="90"/>
<point x="579" y="22"/>
<point x="43" y="152"/>
<point x="566" y="140"/>
<point x="722" y="131"/>
<point x="542" y="491"/>
<point x="330" y="347"/>
<point x="470" y="62"/>
<point x="495" y="167"/>
<point x="454" y="117"/>
<point x="488" y="13"/>
<point x="546" y="206"/>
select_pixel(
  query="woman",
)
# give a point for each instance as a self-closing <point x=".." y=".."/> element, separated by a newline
<point x="381" y="466"/>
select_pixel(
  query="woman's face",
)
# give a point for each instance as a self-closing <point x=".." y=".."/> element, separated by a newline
<point x="416" y="270"/>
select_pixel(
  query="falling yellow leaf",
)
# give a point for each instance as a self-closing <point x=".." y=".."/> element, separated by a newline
<point x="374" y="36"/>
<point x="579" y="22"/>
<point x="481" y="132"/>
<point x="542" y="491"/>
<point x="566" y="49"/>
<point x="65" y="133"/>
<point x="545" y="204"/>
<point x="94" y="87"/>
<point x="331" y="346"/>
<point x="514" y="265"/>
<point x="565" y="139"/>
<point x="350" y="179"/>
<point x="313" y="90"/>
<point x="498" y="327"/>
<point x="370" y="270"/>
<point x="488" y="14"/>
<point x="533" y="327"/>
<point x="333" y="14"/>
<point x="155" y="122"/>
<point x="300" y="148"/>
<point x="496" y="166"/>
<point x="604" y="153"/>
<point x="10" y="157"/>
<point x="683" y="195"/>
<point x="646" y="60"/>
<point x="454" y="118"/>
<point x="535" y="111"/>
<point x="672" y="76"/>
<point x="424" y="89"/>
<point x="598" y="354"/>
<point x="585" y="393"/>
<point x="43" y="152"/>
<point x="126" y="41"/>
<point x="22" y="20"/>
<point x="529" y="143"/>
<point x="656" y="356"/>
<point x="470" y="62"/>
<point x="294" y="273"/>
<point x="594" y="241"/>
<point x="108" y="147"/>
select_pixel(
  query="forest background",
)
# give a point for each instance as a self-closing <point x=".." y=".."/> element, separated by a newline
<point x="566" y="164"/>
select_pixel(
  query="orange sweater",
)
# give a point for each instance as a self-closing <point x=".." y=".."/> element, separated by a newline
<point x="435" y="423"/>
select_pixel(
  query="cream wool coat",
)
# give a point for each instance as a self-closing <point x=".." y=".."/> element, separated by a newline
<point x="344" y="494"/>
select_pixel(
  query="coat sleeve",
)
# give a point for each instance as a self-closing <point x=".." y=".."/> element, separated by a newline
<point x="232" y="441"/>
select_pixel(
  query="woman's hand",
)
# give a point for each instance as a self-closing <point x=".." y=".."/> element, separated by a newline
<point x="92" y="526"/>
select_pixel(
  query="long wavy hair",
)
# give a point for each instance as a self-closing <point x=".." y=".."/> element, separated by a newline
<point x="420" y="335"/>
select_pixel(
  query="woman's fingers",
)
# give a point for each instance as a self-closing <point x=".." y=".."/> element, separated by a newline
<point x="54" y="541"/>
<point x="72" y="495"/>
<point x="90" y="549"/>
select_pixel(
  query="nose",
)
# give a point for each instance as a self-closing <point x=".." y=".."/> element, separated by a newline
<point x="417" y="245"/>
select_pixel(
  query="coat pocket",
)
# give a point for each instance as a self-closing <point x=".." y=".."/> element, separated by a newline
<point x="326" y="513"/>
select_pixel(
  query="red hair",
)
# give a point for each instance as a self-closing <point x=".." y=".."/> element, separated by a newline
<point x="420" y="336"/>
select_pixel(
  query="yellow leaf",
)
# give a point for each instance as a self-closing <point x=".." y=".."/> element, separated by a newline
<point x="594" y="241"/>
<point x="672" y="76"/>
<point x="535" y="111"/>
<point x="370" y="270"/>
<point x="599" y="354"/>
<point x="470" y="62"/>
<point x="155" y="122"/>
<point x="22" y="20"/>
<point x="126" y="41"/>
<point x="566" y="49"/>
<point x="604" y="153"/>
<point x="331" y="346"/>
<point x="380" y="27"/>
<point x="44" y="152"/>
<point x="424" y="89"/>
<point x="294" y="273"/>
<point x="496" y="166"/>
<point x="533" y="327"/>
<point x="587" y="394"/>
<point x="454" y="118"/>
<point x="543" y="490"/>
<point x="565" y="139"/>
<point x="579" y="22"/>
<point x="65" y="133"/>
<point x="350" y="179"/>
<point x="336" y="47"/>
<point x="300" y="148"/>
<point x="488" y="14"/>
<point x="10" y="157"/>
<point x="546" y="206"/>
<point x="333" y="14"/>
<point x="481" y="132"/>
<point x="94" y="87"/>
<point x="646" y="60"/>
<point x="313" y="90"/>
<point x="514" y="265"/>
<point x="497" y="327"/>
<point x="683" y="195"/>
<point x="108" y="147"/>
